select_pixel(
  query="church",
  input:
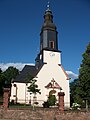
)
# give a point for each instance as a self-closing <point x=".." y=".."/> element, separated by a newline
<point x="48" y="70"/>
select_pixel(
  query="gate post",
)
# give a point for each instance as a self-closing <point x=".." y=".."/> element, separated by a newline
<point x="6" y="95"/>
<point x="61" y="101"/>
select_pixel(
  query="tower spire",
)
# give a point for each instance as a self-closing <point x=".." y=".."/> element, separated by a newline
<point x="48" y="35"/>
<point x="48" y="5"/>
<point x="48" y="17"/>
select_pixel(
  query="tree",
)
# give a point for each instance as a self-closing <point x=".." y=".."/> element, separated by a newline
<point x="10" y="74"/>
<point x="51" y="100"/>
<point x="74" y="92"/>
<point x="84" y="75"/>
<point x="0" y="70"/>
<point x="80" y="88"/>
<point x="6" y="77"/>
<point x="1" y="82"/>
<point x="33" y="88"/>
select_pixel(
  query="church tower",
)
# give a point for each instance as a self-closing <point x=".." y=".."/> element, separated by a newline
<point x="48" y="37"/>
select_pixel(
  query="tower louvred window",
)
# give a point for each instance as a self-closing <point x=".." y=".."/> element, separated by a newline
<point x="51" y="44"/>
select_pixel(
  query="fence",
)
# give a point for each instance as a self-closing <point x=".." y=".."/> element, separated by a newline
<point x="27" y="104"/>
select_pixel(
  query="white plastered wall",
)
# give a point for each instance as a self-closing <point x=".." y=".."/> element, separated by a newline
<point x="50" y="71"/>
<point x="46" y="75"/>
<point x="21" y="92"/>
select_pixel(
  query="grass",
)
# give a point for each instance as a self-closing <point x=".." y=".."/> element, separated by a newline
<point x="19" y="106"/>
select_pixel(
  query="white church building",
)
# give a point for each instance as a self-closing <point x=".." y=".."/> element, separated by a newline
<point x="48" y="71"/>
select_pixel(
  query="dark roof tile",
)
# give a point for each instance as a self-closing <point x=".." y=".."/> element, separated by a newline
<point x="28" y="70"/>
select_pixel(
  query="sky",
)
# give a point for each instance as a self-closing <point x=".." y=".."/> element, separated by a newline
<point x="20" y="25"/>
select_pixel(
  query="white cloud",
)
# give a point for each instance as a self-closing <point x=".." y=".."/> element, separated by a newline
<point x="72" y="75"/>
<point x="19" y="66"/>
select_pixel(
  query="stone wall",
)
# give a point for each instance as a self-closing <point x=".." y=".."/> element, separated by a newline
<point x="43" y="114"/>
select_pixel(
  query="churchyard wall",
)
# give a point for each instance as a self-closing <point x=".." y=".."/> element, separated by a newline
<point x="42" y="114"/>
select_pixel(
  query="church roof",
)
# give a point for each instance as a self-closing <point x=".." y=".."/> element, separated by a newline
<point x="28" y="70"/>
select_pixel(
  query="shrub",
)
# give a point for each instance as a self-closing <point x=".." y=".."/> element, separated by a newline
<point x="76" y="106"/>
<point x="46" y="104"/>
<point x="52" y="100"/>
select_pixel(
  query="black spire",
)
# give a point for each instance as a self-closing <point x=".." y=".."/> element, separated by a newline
<point x="48" y="17"/>
<point x="48" y="6"/>
<point x="48" y="35"/>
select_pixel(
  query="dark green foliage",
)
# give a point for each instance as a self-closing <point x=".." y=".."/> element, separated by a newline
<point x="80" y="88"/>
<point x="84" y="75"/>
<point x="33" y="88"/>
<point x="2" y="82"/>
<point x="0" y="71"/>
<point x="46" y="104"/>
<point x="6" y="77"/>
<point x="10" y="74"/>
<point x="51" y="100"/>
<point x="74" y="92"/>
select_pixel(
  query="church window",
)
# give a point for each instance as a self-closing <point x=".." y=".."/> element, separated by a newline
<point x="14" y="85"/>
<point x="14" y="95"/>
<point x="51" y="44"/>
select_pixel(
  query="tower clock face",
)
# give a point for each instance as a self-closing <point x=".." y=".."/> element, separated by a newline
<point x="51" y="57"/>
<point x="52" y="54"/>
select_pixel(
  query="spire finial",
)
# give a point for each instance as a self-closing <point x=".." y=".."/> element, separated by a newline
<point x="48" y="5"/>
